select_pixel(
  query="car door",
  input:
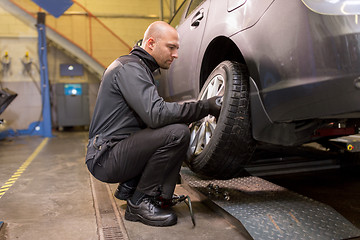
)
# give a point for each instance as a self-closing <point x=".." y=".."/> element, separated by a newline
<point x="182" y="74"/>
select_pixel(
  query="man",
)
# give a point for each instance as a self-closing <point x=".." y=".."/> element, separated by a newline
<point x="136" y="138"/>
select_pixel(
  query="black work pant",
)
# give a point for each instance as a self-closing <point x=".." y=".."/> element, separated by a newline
<point x="153" y="155"/>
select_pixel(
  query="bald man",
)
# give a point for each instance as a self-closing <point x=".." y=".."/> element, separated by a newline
<point x="137" y="139"/>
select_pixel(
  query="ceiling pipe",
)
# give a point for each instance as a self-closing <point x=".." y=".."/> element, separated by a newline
<point x="161" y="10"/>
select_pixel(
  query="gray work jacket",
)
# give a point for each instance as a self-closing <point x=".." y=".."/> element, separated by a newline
<point x="128" y="100"/>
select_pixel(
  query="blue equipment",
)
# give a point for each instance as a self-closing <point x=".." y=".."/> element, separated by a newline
<point x="41" y="128"/>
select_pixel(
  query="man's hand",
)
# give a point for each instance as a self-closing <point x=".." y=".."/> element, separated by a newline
<point x="214" y="106"/>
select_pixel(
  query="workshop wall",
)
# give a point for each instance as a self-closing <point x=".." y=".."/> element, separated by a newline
<point x="129" y="19"/>
<point x="18" y="48"/>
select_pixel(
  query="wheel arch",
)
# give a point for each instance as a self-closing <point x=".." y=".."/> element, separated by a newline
<point x="220" y="49"/>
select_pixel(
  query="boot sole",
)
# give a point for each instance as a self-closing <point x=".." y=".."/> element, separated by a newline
<point x="138" y="218"/>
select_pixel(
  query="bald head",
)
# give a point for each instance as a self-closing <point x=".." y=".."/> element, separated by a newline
<point x="157" y="30"/>
<point x="162" y="42"/>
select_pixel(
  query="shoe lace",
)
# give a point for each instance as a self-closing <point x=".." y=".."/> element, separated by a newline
<point x="152" y="202"/>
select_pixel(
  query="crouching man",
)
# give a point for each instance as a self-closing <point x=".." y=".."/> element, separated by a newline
<point x="137" y="139"/>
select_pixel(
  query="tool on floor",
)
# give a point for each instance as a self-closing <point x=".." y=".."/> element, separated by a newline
<point x="217" y="192"/>
<point x="175" y="200"/>
<point x="187" y="200"/>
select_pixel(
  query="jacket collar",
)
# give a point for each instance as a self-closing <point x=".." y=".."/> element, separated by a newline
<point x="149" y="61"/>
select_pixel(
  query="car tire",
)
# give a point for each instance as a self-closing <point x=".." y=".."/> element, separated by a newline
<point x="230" y="146"/>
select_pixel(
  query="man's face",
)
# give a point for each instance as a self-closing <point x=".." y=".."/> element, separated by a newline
<point x="165" y="49"/>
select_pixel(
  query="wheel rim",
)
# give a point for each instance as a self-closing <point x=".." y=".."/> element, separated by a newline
<point x="202" y="131"/>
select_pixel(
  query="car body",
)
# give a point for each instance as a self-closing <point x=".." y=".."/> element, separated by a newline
<point x="302" y="59"/>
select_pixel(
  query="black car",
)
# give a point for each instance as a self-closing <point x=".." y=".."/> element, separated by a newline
<point x="288" y="71"/>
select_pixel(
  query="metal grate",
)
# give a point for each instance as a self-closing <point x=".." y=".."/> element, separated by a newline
<point x="109" y="222"/>
<point x="113" y="233"/>
<point x="268" y="211"/>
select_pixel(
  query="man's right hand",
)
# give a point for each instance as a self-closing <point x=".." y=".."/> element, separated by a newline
<point x="214" y="107"/>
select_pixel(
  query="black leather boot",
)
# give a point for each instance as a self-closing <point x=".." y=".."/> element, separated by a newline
<point x="124" y="191"/>
<point x="149" y="213"/>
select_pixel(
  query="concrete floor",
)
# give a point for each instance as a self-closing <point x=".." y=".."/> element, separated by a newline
<point x="52" y="196"/>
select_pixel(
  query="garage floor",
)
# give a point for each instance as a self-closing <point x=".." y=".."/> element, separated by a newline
<point x="47" y="193"/>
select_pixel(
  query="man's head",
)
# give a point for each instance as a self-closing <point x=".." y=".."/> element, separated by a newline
<point x="162" y="42"/>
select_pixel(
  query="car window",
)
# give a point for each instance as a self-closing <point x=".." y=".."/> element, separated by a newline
<point x="193" y="5"/>
<point x="175" y="21"/>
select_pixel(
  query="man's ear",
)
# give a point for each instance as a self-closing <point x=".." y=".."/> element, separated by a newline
<point x="150" y="43"/>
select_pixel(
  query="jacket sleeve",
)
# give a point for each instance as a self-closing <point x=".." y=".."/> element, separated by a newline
<point x="140" y="93"/>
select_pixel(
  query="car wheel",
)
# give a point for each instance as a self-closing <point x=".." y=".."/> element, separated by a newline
<point x="220" y="149"/>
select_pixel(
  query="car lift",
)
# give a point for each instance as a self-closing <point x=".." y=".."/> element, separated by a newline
<point x="267" y="211"/>
<point x="263" y="210"/>
<point x="41" y="128"/>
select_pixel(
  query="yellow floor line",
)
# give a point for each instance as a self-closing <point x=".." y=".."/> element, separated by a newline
<point x="22" y="168"/>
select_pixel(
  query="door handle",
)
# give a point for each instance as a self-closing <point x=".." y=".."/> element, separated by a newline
<point x="195" y="22"/>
